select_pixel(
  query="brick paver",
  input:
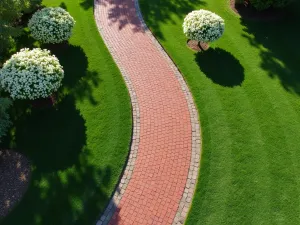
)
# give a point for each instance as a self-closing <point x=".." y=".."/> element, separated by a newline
<point x="159" y="179"/>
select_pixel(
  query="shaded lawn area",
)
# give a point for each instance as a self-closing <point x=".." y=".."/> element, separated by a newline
<point x="79" y="147"/>
<point x="246" y="88"/>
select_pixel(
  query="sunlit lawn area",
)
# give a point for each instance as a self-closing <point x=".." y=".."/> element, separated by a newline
<point x="246" y="88"/>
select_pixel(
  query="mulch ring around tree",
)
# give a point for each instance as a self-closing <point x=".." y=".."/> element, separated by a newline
<point x="194" y="45"/>
<point x="14" y="179"/>
<point x="246" y="11"/>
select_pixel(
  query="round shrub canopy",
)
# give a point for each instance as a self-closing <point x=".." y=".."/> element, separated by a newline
<point x="203" y="25"/>
<point x="51" y="25"/>
<point x="31" y="74"/>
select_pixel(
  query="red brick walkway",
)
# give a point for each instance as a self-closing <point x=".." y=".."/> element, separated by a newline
<point x="164" y="152"/>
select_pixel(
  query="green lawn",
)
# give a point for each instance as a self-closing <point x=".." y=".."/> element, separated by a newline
<point x="78" y="149"/>
<point x="246" y="88"/>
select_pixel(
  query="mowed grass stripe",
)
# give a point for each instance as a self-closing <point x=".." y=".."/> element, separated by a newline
<point x="250" y="165"/>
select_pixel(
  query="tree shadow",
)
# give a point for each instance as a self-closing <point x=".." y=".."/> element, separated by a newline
<point x="87" y="4"/>
<point x="78" y="81"/>
<point x="278" y="44"/>
<point x="116" y="219"/>
<point x="73" y="196"/>
<point x="73" y="60"/>
<point x="63" y="5"/>
<point x="155" y="12"/>
<point x="221" y="67"/>
<point x="52" y="138"/>
<point x="250" y="13"/>
<point x="66" y="187"/>
<point x="123" y="13"/>
<point x="83" y="90"/>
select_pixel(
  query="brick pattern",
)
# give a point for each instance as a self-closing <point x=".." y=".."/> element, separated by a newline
<point x="161" y="173"/>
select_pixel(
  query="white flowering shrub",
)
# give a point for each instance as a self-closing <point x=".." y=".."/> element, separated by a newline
<point x="51" y="25"/>
<point x="31" y="74"/>
<point x="203" y="25"/>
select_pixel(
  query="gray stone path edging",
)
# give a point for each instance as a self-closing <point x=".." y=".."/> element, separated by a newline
<point x="188" y="193"/>
<point x="126" y="175"/>
<point x="187" y="196"/>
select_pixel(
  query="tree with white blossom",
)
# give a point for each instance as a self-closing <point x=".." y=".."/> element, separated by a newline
<point x="31" y="74"/>
<point x="203" y="26"/>
<point x="51" y="25"/>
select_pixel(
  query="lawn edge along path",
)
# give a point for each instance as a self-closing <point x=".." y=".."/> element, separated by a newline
<point x="159" y="180"/>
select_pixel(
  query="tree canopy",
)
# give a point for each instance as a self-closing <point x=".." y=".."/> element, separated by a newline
<point x="10" y="12"/>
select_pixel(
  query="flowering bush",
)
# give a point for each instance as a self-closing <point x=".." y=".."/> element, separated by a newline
<point x="51" y="25"/>
<point x="31" y="74"/>
<point x="203" y="25"/>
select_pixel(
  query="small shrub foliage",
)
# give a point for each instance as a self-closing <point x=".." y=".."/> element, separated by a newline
<point x="31" y="74"/>
<point x="51" y="25"/>
<point x="203" y="25"/>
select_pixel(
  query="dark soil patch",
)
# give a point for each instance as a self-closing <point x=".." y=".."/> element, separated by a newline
<point x="14" y="179"/>
<point x="43" y="103"/>
<point x="194" y="45"/>
<point x="246" y="11"/>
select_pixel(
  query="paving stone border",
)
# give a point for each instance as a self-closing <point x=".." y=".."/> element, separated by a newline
<point x="127" y="173"/>
<point x="191" y="182"/>
<point x="187" y="196"/>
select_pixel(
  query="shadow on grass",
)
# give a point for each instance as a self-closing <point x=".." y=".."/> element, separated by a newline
<point x="221" y="67"/>
<point x="78" y="81"/>
<point x="250" y="13"/>
<point x="278" y="42"/>
<point x="69" y="197"/>
<point x="156" y="12"/>
<point x="87" y="4"/>
<point x="52" y="138"/>
<point x="65" y="187"/>
<point x="63" y="5"/>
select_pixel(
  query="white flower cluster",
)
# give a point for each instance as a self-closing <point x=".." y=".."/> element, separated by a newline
<point x="31" y="74"/>
<point x="51" y="25"/>
<point x="203" y="25"/>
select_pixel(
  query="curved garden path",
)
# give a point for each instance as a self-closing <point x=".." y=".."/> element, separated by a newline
<point x="159" y="179"/>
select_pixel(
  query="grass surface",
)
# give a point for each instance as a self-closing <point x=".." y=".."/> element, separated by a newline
<point x="246" y="88"/>
<point x="78" y="148"/>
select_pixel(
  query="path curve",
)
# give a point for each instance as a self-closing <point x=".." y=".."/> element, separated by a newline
<point x="159" y="180"/>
